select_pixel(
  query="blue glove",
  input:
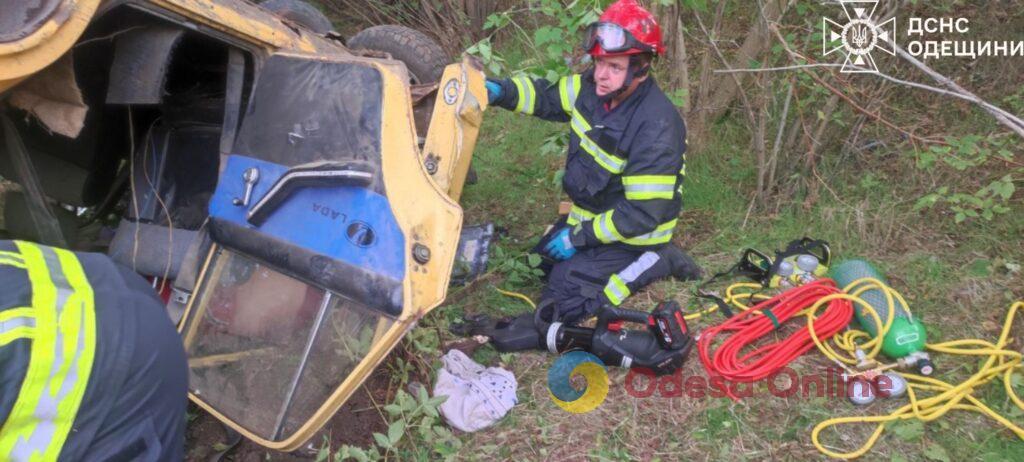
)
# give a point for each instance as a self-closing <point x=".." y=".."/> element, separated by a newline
<point x="493" y="91"/>
<point x="560" y="247"/>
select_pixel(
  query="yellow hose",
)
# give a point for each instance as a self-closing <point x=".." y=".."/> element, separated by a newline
<point x="943" y="396"/>
<point x="947" y="396"/>
<point x="519" y="296"/>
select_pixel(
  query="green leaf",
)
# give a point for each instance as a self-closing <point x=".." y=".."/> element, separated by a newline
<point x="424" y="426"/>
<point x="926" y="202"/>
<point x="393" y="409"/>
<point x="897" y="458"/>
<point x="358" y="454"/>
<point x="533" y="259"/>
<point x="438" y="400"/>
<point x="936" y="452"/>
<point x="395" y="431"/>
<point x="381" y="440"/>
<point x="406" y="401"/>
<point x="909" y="430"/>
<point x="546" y="34"/>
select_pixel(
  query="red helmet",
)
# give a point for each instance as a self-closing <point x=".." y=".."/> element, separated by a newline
<point x="625" y="28"/>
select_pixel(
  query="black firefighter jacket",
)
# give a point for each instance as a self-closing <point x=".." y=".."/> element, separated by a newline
<point x="625" y="167"/>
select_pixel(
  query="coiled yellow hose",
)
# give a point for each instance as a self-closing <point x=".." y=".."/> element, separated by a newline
<point x="943" y="396"/>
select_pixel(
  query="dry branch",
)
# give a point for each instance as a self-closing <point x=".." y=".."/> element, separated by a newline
<point x="1005" y="118"/>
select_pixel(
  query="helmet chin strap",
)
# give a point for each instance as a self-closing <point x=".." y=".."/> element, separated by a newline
<point x="634" y="71"/>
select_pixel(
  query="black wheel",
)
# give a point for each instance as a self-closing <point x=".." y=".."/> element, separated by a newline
<point x="301" y="13"/>
<point x="423" y="57"/>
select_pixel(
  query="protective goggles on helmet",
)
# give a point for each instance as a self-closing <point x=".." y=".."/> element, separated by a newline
<point x="613" y="39"/>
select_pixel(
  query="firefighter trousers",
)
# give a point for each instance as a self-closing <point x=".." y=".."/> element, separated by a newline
<point x="606" y="274"/>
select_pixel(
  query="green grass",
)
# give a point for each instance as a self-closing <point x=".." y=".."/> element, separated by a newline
<point x="950" y="273"/>
<point x="956" y="277"/>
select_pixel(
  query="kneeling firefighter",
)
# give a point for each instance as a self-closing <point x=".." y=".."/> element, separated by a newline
<point x="91" y="367"/>
<point x="624" y="172"/>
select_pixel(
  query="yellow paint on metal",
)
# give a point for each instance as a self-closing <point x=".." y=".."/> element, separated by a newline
<point x="425" y="207"/>
<point x="31" y="54"/>
<point x="424" y="211"/>
<point x="241" y="19"/>
<point x="454" y="125"/>
<point x="237" y="18"/>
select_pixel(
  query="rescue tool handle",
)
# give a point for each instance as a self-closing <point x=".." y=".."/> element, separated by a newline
<point x="314" y="174"/>
<point x="609" y="313"/>
<point x="824" y="254"/>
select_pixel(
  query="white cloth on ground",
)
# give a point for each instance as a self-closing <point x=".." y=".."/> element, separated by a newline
<point x="477" y="396"/>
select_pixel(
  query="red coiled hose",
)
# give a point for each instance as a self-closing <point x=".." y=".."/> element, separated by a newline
<point x="729" y="360"/>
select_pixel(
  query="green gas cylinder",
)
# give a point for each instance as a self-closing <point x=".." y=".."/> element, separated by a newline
<point x="906" y="338"/>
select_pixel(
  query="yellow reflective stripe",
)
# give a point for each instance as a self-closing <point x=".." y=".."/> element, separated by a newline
<point x="11" y="259"/>
<point x="567" y="89"/>
<point x="19" y="333"/>
<point x="8" y="253"/>
<point x="605" y="231"/>
<point x="20" y="312"/>
<point x="616" y="290"/>
<point x="16" y="323"/>
<point x="79" y="317"/>
<point x="646" y="187"/>
<point x="62" y="353"/>
<point x="527" y="95"/>
<point x="612" y="163"/>
<point x="662" y="234"/>
<point x="604" y="228"/>
<point x="650" y="195"/>
<point x="21" y="422"/>
<point x="578" y="214"/>
<point x="11" y="262"/>
<point x="630" y="180"/>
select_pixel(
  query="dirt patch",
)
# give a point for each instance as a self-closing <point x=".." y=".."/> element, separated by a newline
<point x="353" y="424"/>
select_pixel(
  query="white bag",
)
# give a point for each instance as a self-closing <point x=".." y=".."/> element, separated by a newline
<point x="477" y="396"/>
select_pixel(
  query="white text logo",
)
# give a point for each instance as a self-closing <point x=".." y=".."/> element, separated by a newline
<point x="859" y="36"/>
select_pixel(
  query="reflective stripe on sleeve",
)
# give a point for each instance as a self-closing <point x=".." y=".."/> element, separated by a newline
<point x="62" y="353"/>
<point x="646" y="187"/>
<point x="527" y="95"/>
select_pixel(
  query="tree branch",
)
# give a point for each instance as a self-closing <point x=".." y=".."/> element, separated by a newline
<point x="1011" y="121"/>
<point x="792" y="54"/>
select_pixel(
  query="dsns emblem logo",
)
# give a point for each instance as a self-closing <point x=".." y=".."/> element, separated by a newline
<point x="859" y="36"/>
<point x="560" y="386"/>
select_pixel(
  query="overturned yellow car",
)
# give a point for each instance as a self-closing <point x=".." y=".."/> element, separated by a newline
<point x="272" y="182"/>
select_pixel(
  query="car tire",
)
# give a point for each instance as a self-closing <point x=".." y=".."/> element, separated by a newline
<point x="422" y="56"/>
<point x="301" y="13"/>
